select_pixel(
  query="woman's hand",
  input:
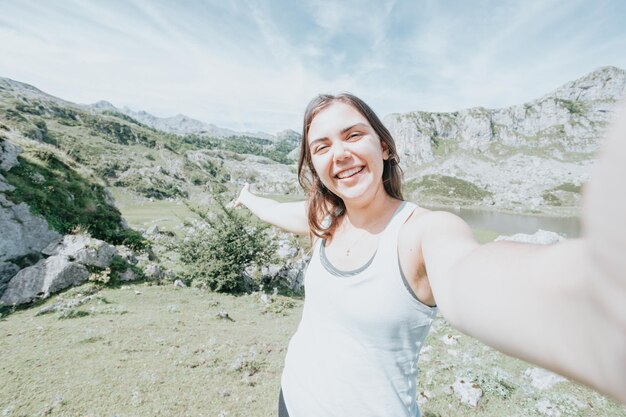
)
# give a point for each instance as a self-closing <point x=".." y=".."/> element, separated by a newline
<point x="243" y="194"/>
<point x="560" y="306"/>
<point x="290" y="217"/>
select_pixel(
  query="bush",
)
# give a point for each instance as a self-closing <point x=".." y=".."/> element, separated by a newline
<point x="66" y="199"/>
<point x="218" y="252"/>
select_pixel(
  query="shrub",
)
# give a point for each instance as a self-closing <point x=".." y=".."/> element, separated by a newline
<point x="66" y="199"/>
<point x="218" y="252"/>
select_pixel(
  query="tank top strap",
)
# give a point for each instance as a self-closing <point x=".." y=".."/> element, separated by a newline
<point x="389" y="239"/>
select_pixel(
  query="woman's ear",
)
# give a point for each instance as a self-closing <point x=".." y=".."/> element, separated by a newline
<point x="385" y="148"/>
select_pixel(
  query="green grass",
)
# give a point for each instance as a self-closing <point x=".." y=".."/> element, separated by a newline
<point x="162" y="352"/>
<point x="140" y="212"/>
<point x="551" y="196"/>
<point x="146" y="350"/>
<point x="66" y="198"/>
<point x="484" y="235"/>
<point x="446" y="188"/>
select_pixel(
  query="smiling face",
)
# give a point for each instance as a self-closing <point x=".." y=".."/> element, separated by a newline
<point x="346" y="153"/>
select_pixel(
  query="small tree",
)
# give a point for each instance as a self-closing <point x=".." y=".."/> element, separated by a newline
<point x="217" y="253"/>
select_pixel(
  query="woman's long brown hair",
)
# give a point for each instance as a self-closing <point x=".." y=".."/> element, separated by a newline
<point x="321" y="202"/>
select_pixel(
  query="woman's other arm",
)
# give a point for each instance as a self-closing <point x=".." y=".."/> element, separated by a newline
<point x="290" y="217"/>
<point x="561" y="306"/>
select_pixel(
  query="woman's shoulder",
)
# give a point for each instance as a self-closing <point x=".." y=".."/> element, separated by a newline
<point x="423" y="219"/>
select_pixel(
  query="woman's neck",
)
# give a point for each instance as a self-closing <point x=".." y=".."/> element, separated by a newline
<point x="373" y="213"/>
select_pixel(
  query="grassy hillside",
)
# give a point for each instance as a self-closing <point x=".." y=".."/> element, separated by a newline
<point x="125" y="153"/>
<point x="146" y="350"/>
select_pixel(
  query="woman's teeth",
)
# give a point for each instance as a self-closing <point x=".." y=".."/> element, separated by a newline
<point x="349" y="172"/>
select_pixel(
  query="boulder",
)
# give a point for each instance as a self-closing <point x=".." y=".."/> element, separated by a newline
<point x="42" y="279"/>
<point x="8" y="155"/>
<point x="82" y="249"/>
<point x="7" y="271"/>
<point x="127" y="254"/>
<point x="22" y="232"/>
<point x="129" y="275"/>
<point x="153" y="271"/>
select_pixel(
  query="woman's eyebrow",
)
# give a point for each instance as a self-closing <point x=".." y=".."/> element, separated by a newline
<point x="344" y="130"/>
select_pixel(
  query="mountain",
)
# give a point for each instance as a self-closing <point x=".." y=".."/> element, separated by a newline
<point x="179" y="124"/>
<point x="533" y="157"/>
<point x="529" y="157"/>
<point x="125" y="152"/>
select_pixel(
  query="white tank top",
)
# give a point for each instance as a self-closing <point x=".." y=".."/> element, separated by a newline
<point x="355" y="351"/>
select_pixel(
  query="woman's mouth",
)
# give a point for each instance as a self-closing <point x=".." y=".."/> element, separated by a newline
<point x="349" y="172"/>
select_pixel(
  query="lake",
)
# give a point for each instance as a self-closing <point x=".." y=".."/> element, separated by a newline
<point x="508" y="223"/>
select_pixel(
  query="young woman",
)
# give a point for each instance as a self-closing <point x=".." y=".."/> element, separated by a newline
<point x="381" y="268"/>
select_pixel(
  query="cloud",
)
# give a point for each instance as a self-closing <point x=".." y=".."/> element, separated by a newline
<point x="256" y="65"/>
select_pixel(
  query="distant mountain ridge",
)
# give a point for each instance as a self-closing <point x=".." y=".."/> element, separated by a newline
<point x="533" y="157"/>
<point x="179" y="124"/>
<point x="185" y="125"/>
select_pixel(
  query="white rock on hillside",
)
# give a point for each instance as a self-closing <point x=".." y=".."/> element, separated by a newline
<point x="467" y="392"/>
<point x="546" y="408"/>
<point x="540" y="237"/>
<point x="42" y="279"/>
<point x="543" y="379"/>
<point x="82" y="249"/>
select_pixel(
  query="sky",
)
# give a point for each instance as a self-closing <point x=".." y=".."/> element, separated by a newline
<point x="254" y="65"/>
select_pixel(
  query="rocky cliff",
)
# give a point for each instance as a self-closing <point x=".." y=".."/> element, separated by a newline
<point x="529" y="157"/>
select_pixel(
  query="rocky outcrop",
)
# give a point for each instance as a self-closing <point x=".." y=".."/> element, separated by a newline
<point x="7" y="271"/>
<point x="70" y="256"/>
<point x="82" y="249"/>
<point x="42" y="279"/>
<point x="527" y="156"/>
<point x="572" y="116"/>
<point x="8" y="154"/>
<point x="268" y="176"/>
<point x="22" y="232"/>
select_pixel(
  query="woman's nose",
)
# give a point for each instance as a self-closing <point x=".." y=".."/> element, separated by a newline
<point x="340" y="151"/>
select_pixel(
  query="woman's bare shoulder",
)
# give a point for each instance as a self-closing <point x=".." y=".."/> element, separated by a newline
<point x="424" y="222"/>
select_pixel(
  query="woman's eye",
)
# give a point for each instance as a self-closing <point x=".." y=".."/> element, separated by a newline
<point x="320" y="148"/>
<point x="354" y="135"/>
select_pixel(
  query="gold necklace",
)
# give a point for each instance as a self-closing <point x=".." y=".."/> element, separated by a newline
<point x="363" y="233"/>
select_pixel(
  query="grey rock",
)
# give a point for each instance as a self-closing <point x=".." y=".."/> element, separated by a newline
<point x="129" y="275"/>
<point x="179" y="283"/>
<point x="153" y="271"/>
<point x="8" y="154"/>
<point x="7" y="271"/>
<point x="82" y="249"/>
<point x="42" y="279"/>
<point x="22" y="232"/>
<point x="152" y="230"/>
<point x="467" y="392"/>
<point x="127" y="254"/>
<point x="286" y="250"/>
<point x="527" y="154"/>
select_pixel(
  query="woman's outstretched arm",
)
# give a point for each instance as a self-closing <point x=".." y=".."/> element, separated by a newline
<point x="290" y="217"/>
<point x="561" y="306"/>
